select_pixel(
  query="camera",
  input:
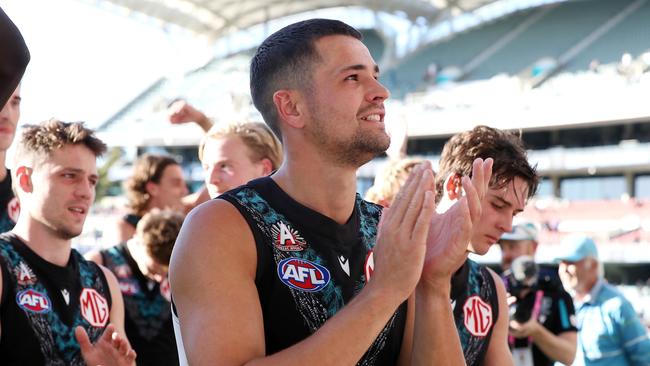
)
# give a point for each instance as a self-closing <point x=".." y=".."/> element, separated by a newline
<point x="520" y="280"/>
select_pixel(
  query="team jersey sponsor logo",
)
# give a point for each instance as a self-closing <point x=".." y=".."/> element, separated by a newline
<point x="369" y="266"/>
<point x="345" y="264"/>
<point x="287" y="238"/>
<point x="24" y="275"/>
<point x="33" y="301"/>
<point x="128" y="287"/>
<point x="13" y="209"/>
<point x="478" y="316"/>
<point x="94" y="307"/>
<point x="303" y="275"/>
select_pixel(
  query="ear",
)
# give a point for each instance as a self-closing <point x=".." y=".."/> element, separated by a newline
<point x="267" y="166"/>
<point x="288" y="107"/>
<point x="452" y="187"/>
<point x="151" y="188"/>
<point x="24" y="178"/>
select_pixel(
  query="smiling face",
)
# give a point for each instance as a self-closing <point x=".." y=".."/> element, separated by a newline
<point x="63" y="190"/>
<point x="499" y="207"/>
<point x="345" y="106"/>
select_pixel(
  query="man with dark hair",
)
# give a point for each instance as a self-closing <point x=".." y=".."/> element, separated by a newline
<point x="297" y="263"/>
<point x="140" y="265"/>
<point x="478" y="295"/>
<point x="53" y="303"/>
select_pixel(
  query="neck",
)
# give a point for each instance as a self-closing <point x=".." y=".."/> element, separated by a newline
<point x="43" y="241"/>
<point x="318" y="185"/>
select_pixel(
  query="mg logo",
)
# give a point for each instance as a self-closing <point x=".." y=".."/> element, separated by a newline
<point x="94" y="307"/>
<point x="478" y="316"/>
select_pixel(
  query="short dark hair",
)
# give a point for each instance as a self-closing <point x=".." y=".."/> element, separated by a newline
<point x="38" y="141"/>
<point x="284" y="60"/>
<point x="505" y="147"/>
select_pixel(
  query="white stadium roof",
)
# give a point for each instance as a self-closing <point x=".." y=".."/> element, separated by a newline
<point x="216" y="18"/>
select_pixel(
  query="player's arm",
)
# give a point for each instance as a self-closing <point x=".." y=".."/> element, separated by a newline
<point x="435" y="334"/>
<point x="212" y="277"/>
<point x="498" y="353"/>
<point x="194" y="199"/>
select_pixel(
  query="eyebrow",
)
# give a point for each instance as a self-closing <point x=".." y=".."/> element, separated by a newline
<point x="77" y="170"/>
<point x="358" y="67"/>
<point x="507" y="203"/>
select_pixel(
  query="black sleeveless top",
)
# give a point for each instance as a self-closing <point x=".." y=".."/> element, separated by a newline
<point x="309" y="267"/>
<point x="476" y="309"/>
<point x="147" y="321"/>
<point x="43" y="303"/>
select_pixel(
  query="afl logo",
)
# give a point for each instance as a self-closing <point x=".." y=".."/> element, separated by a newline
<point x="94" y="307"/>
<point x="33" y="301"/>
<point x="478" y="316"/>
<point x="287" y="238"/>
<point x="303" y="275"/>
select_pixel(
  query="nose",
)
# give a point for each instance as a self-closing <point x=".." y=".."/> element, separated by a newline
<point x="211" y="174"/>
<point x="4" y="113"/>
<point x="505" y="223"/>
<point x="85" y="189"/>
<point x="378" y="92"/>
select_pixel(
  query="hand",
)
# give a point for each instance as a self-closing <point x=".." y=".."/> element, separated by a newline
<point x="523" y="330"/>
<point x="182" y="112"/>
<point x="401" y="236"/>
<point x="450" y="232"/>
<point x="110" y="350"/>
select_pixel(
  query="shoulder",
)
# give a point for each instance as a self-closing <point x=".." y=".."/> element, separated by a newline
<point x="213" y="232"/>
<point x="498" y="284"/>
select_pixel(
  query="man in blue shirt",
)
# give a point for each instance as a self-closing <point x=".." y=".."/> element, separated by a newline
<point x="609" y="331"/>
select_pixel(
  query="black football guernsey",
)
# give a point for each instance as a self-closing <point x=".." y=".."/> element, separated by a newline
<point x="43" y="303"/>
<point x="309" y="267"/>
<point x="148" y="320"/>
<point x="9" y="207"/>
<point x="476" y="309"/>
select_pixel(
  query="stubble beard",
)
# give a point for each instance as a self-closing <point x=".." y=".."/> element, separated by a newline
<point x="360" y="148"/>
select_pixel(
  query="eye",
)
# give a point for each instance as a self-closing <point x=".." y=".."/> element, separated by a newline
<point x="497" y="206"/>
<point x="354" y="77"/>
<point x="93" y="181"/>
<point x="68" y="175"/>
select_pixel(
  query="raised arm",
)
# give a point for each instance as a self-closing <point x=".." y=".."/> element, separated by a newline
<point x="435" y="334"/>
<point x="213" y="283"/>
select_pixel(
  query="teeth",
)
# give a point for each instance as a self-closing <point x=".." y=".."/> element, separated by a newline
<point x="373" y="117"/>
<point x="76" y="210"/>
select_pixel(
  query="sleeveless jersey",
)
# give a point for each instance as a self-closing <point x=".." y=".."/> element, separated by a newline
<point x="9" y="207"/>
<point x="147" y="320"/>
<point x="43" y="303"/>
<point x="476" y="309"/>
<point x="309" y="267"/>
